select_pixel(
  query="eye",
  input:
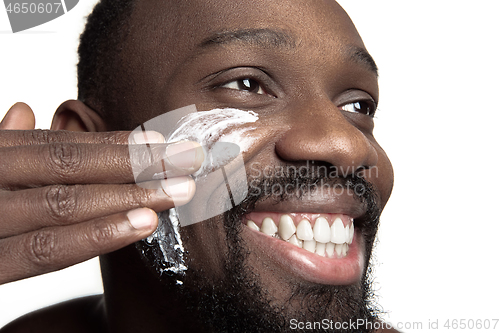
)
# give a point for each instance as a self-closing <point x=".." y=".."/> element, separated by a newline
<point x="246" y="84"/>
<point x="363" y="107"/>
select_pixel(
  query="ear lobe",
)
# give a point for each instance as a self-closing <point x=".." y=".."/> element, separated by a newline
<point x="74" y="115"/>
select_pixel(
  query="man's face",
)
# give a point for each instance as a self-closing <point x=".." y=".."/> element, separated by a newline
<point x="301" y="66"/>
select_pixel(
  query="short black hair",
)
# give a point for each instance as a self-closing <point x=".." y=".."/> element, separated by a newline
<point x="100" y="46"/>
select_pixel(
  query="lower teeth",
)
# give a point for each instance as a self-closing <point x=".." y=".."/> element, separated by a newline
<point x="329" y="250"/>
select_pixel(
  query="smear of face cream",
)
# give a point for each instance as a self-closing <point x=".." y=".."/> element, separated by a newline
<point x="166" y="244"/>
<point x="210" y="128"/>
<point x="218" y="131"/>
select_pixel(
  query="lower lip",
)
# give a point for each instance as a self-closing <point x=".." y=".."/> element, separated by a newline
<point x="309" y="266"/>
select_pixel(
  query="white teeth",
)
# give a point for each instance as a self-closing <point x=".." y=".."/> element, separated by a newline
<point x="323" y="240"/>
<point x="309" y="246"/>
<point x="252" y="225"/>
<point x="320" y="249"/>
<point x="330" y="248"/>
<point x="321" y="230"/>
<point x="293" y="240"/>
<point x="269" y="227"/>
<point x="337" y="232"/>
<point x="351" y="233"/>
<point x="286" y="227"/>
<point x="338" y="249"/>
<point x="304" y="230"/>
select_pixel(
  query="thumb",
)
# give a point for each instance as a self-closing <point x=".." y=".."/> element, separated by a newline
<point x="19" y="117"/>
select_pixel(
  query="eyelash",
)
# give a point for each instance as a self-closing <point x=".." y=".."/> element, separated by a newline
<point x="245" y="84"/>
<point x="250" y="85"/>
<point x="363" y="107"/>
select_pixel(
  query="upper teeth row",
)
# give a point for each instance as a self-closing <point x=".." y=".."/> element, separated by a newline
<point x="304" y="234"/>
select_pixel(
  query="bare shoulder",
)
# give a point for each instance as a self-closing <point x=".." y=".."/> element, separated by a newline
<point x="80" y="315"/>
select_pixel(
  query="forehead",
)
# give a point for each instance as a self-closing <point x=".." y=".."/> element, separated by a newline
<point x="181" y="25"/>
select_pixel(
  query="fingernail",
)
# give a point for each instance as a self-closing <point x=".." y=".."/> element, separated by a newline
<point x="142" y="218"/>
<point x="144" y="137"/>
<point x="184" y="155"/>
<point x="180" y="189"/>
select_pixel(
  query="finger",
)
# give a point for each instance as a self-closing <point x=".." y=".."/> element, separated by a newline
<point x="19" y="117"/>
<point x="51" y="249"/>
<point x="71" y="163"/>
<point x="33" y="209"/>
<point x="37" y="137"/>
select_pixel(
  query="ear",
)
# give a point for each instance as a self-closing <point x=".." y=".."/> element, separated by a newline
<point x="74" y="115"/>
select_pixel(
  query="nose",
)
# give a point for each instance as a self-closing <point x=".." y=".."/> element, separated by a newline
<point x="320" y="131"/>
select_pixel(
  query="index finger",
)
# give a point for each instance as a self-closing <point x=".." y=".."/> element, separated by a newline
<point x="72" y="163"/>
<point x="10" y="138"/>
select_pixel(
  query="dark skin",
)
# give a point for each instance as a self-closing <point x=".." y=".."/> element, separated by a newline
<point x="308" y="72"/>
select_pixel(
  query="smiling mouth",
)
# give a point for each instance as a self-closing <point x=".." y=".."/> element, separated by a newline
<point x="314" y="233"/>
<point x="327" y="235"/>
<point x="324" y="248"/>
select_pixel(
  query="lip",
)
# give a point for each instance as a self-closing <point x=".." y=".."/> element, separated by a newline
<point x="317" y="204"/>
<point x="309" y="266"/>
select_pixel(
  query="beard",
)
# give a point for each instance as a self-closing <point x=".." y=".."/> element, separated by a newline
<point x="239" y="302"/>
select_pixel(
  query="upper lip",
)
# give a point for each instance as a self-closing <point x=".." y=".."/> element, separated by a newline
<point x="341" y="204"/>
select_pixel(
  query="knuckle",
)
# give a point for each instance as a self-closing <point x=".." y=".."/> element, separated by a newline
<point x="41" y="248"/>
<point x="62" y="202"/>
<point x="65" y="158"/>
<point x="101" y="234"/>
<point x="114" y="137"/>
<point x="42" y="136"/>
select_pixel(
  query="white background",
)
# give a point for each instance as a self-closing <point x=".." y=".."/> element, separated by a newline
<point x="440" y="80"/>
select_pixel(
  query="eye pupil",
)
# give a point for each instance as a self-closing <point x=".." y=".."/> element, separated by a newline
<point x="363" y="108"/>
<point x="249" y="85"/>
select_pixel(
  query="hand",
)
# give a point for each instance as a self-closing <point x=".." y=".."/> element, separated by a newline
<point x="66" y="197"/>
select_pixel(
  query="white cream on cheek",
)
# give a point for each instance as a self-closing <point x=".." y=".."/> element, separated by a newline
<point x="207" y="128"/>
<point x="210" y="127"/>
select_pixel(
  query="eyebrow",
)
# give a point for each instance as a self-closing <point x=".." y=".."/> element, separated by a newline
<point x="279" y="39"/>
<point x="362" y="57"/>
<point x="260" y="37"/>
